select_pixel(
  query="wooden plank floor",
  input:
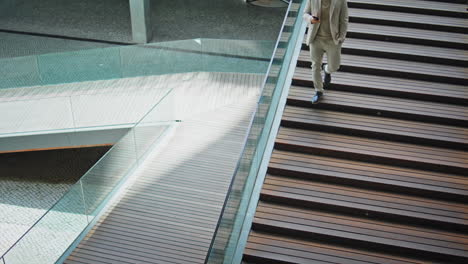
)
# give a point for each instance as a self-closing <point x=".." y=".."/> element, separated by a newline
<point x="376" y="172"/>
<point x="170" y="212"/>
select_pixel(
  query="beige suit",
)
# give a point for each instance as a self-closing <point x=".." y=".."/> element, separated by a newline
<point x="338" y="19"/>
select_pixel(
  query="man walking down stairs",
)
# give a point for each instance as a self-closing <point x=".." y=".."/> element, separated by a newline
<point x="327" y="26"/>
<point x="377" y="171"/>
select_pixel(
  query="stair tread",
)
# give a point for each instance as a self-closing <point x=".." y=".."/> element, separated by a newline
<point x="360" y="228"/>
<point x="405" y="49"/>
<point x="259" y="243"/>
<point x="408" y="18"/>
<point x="391" y="126"/>
<point x="373" y="147"/>
<point x="402" y="66"/>
<point x="412" y="33"/>
<point x="364" y="198"/>
<point x="362" y="171"/>
<point x="282" y="255"/>
<point x="431" y="5"/>
<point x="369" y="226"/>
<point x="408" y="49"/>
<point x="388" y="83"/>
<point x="383" y="103"/>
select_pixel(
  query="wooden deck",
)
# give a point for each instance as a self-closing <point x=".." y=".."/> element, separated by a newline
<point x="170" y="212"/>
<point x="375" y="173"/>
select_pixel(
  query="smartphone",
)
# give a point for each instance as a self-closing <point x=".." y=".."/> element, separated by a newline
<point x="316" y="18"/>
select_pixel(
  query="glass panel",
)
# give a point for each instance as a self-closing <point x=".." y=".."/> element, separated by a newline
<point x="85" y="65"/>
<point x="62" y="97"/>
<point x="193" y="55"/>
<point x="231" y="222"/>
<point x="162" y="58"/>
<point x="58" y="228"/>
<point x="53" y="233"/>
<point x="221" y="55"/>
<point x="19" y="71"/>
<point x="104" y="176"/>
<point x="154" y="124"/>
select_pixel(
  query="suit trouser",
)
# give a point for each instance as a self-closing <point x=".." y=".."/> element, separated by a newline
<point x="317" y="48"/>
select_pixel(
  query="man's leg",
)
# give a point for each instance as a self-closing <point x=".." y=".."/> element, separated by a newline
<point x="333" y="57"/>
<point x="316" y="56"/>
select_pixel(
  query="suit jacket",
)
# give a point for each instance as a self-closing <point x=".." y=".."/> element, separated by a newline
<point x="338" y="19"/>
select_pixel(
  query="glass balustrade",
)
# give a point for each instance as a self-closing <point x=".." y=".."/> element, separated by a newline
<point x="232" y="220"/>
<point x="54" y="232"/>
<point x="194" y="55"/>
<point x="57" y="229"/>
<point x="61" y="92"/>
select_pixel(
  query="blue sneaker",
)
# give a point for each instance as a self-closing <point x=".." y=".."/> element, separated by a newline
<point x="317" y="97"/>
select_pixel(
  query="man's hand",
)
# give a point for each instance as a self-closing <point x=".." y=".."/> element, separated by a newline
<point x="315" y="20"/>
<point x="340" y="39"/>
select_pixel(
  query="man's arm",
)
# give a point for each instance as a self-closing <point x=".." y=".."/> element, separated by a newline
<point x="343" y="27"/>
<point x="307" y="15"/>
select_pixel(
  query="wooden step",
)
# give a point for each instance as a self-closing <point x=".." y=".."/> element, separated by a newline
<point x="409" y="52"/>
<point x="389" y="86"/>
<point x="395" y="68"/>
<point x="373" y="150"/>
<point x="406" y="109"/>
<point x="266" y="248"/>
<point x="450" y="1"/>
<point x="376" y="172"/>
<point x="376" y="127"/>
<point x="407" y="35"/>
<point x="367" y="204"/>
<point x="371" y="176"/>
<point x="398" y="19"/>
<point x="413" y="6"/>
<point x="359" y="232"/>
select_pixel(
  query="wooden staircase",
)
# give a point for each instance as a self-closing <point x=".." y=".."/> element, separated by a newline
<point x="376" y="172"/>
